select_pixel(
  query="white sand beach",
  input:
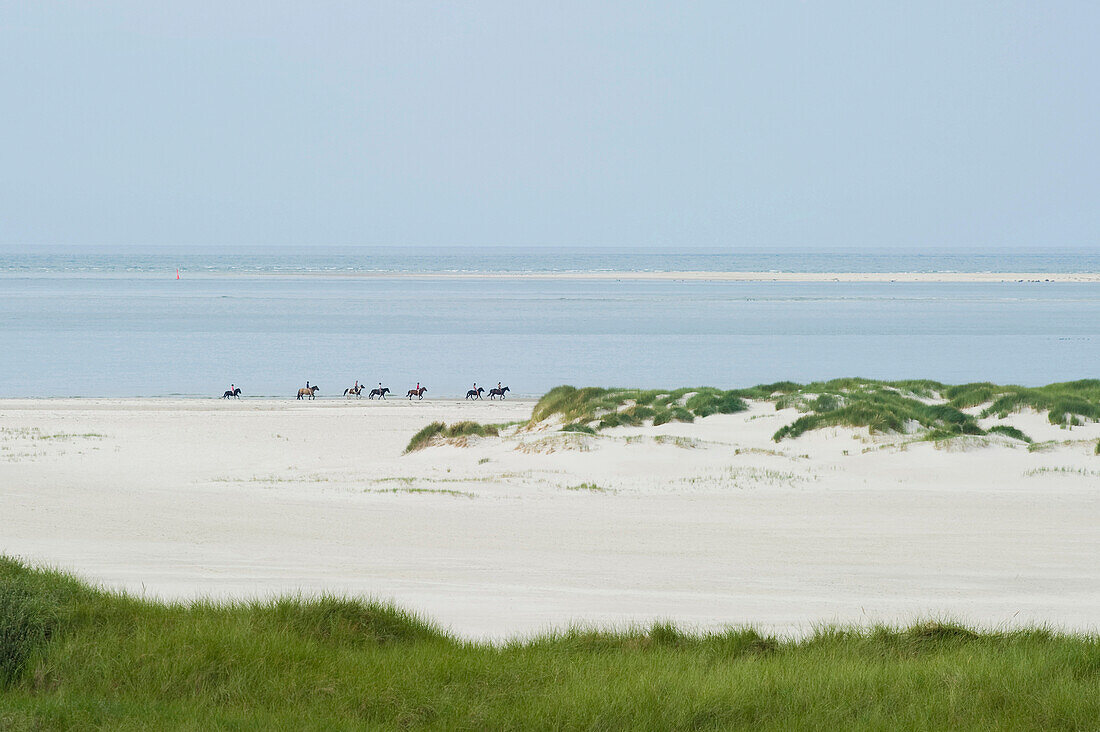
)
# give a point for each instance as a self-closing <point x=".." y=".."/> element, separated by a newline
<point x="705" y="524"/>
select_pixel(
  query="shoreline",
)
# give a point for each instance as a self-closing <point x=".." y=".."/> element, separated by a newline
<point x="686" y="276"/>
<point x="34" y="402"/>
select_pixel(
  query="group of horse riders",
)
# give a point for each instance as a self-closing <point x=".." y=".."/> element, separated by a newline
<point x="310" y="392"/>
<point x="381" y="391"/>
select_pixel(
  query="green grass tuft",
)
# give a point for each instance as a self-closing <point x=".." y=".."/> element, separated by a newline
<point x="1009" y="431"/>
<point x="421" y="439"/>
<point x="591" y="487"/>
<point x="459" y="429"/>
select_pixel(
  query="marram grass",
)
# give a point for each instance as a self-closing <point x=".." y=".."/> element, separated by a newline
<point x="74" y="657"/>
<point x="593" y="408"/>
<point x="424" y="437"/>
<point x="930" y="407"/>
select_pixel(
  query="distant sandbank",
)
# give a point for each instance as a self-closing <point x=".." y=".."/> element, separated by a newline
<point x="733" y="276"/>
<point x="681" y="276"/>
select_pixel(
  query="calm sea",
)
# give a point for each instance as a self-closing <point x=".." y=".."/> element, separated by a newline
<point x="120" y="324"/>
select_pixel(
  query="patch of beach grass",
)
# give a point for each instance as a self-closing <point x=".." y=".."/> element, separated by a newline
<point x="884" y="407"/>
<point x="404" y="479"/>
<point x="1009" y="431"/>
<point x="588" y="487"/>
<point x="1065" y="402"/>
<point x="501" y="426"/>
<point x="687" y="443"/>
<point x="36" y="433"/>
<point x="425" y="491"/>
<point x="1063" y="470"/>
<point x="883" y="411"/>
<point x="275" y="479"/>
<point x="592" y="409"/>
<point x="441" y="431"/>
<point x="91" y="659"/>
<point x="556" y="442"/>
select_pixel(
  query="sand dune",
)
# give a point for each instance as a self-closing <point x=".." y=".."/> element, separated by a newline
<point x="706" y="523"/>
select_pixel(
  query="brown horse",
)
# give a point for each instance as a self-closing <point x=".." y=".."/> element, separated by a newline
<point x="419" y="393"/>
<point x="309" y="393"/>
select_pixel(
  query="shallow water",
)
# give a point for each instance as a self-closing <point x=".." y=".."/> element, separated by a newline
<point x="67" y="332"/>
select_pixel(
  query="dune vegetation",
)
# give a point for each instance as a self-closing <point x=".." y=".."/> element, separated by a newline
<point x="440" y="431"/>
<point x="931" y="409"/>
<point x="73" y="656"/>
<point x="592" y="408"/>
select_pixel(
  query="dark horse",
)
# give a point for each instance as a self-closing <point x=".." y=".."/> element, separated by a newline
<point x="419" y="393"/>
<point x="380" y="393"/>
<point x="471" y="394"/>
<point x="235" y="393"/>
<point x="309" y="393"/>
<point x="494" y="393"/>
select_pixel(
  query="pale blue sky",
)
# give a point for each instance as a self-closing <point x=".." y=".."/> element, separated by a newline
<point x="695" y="124"/>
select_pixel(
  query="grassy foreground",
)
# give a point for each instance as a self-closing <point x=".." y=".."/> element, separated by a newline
<point x="74" y="656"/>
